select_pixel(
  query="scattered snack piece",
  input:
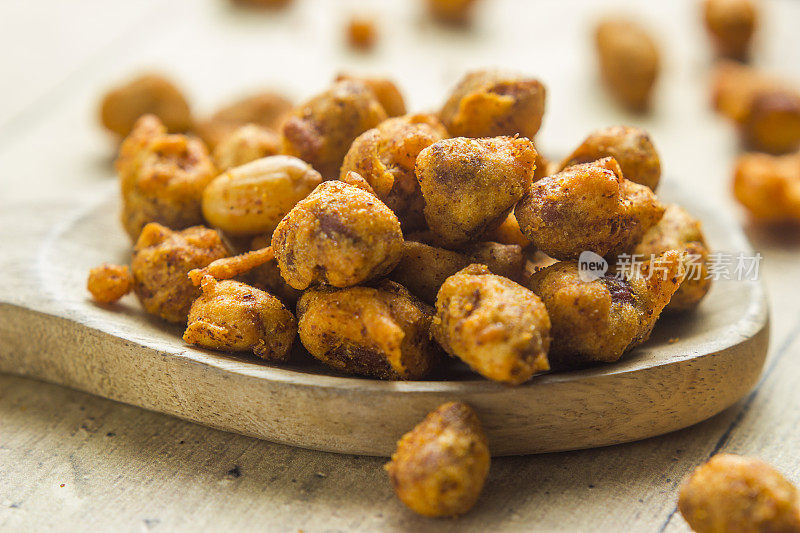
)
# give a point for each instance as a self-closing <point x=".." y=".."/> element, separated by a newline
<point x="629" y="62"/>
<point x="508" y="232"/>
<point x="266" y="109"/>
<point x="108" y="283"/>
<point x="389" y="340"/>
<point x="162" y="177"/>
<point x="248" y="143"/>
<point x="769" y="186"/>
<point x="731" y="24"/>
<point x="732" y="493"/>
<point x="362" y="33"/>
<point x="385" y="158"/>
<point x="233" y="317"/>
<point x="505" y="260"/>
<point x="499" y="328"/>
<point x="589" y="207"/>
<point x="321" y="130"/>
<point x="678" y="230"/>
<point x="599" y="320"/>
<point x="734" y="86"/>
<point x="440" y="466"/>
<point x="491" y="103"/>
<point x="253" y="198"/>
<point x="161" y="262"/>
<point x="456" y="12"/>
<point x="454" y="172"/>
<point x="340" y="235"/>
<point x="271" y="4"/>
<point x="630" y="146"/>
<point x="385" y="90"/>
<point x="150" y="94"/>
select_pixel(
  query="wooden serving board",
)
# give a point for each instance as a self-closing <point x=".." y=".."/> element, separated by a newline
<point x="692" y="368"/>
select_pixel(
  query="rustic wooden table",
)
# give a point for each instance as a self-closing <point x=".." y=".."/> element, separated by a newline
<point x="70" y="461"/>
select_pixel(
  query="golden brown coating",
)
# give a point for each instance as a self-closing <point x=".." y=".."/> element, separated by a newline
<point x="769" y="186"/>
<point x="457" y="12"/>
<point x="505" y="260"/>
<point x="385" y="158"/>
<point x="245" y="144"/>
<point x="731" y="24"/>
<point x="734" y="86"/>
<point x="233" y="317"/>
<point x="385" y="90"/>
<point x="508" y="232"/>
<point x="587" y="207"/>
<point x="736" y="494"/>
<point x="630" y="146"/>
<point x="678" y="230"/>
<point x="321" y="130"/>
<point x="266" y="109"/>
<point x="491" y="103"/>
<point x="471" y="185"/>
<point x="598" y="320"/>
<point x="440" y="466"/>
<point x="108" y="283"/>
<point x="253" y="198"/>
<point x="629" y="61"/>
<point x="149" y="94"/>
<point x="499" y="328"/>
<point x="381" y="332"/>
<point x="267" y="277"/>
<point x="162" y="177"/>
<point x="162" y="259"/>
<point x="270" y="4"/>
<point x="361" y="33"/>
<point x="340" y="235"/>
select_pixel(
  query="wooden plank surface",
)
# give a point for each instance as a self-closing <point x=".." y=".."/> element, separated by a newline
<point x="70" y="461"/>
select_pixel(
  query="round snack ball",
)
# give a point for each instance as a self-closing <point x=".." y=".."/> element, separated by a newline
<point x="108" y="283"/>
<point x="245" y="144"/>
<point x="339" y="235"/>
<point x="731" y="24"/>
<point x="440" y="466"/>
<point x="234" y="317"/>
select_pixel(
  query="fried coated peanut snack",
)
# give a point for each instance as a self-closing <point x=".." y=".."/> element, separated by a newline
<point x="630" y="146"/>
<point x="248" y="143"/>
<point x="321" y="130"/>
<point x="769" y="186"/>
<point x="385" y="158"/>
<point x="458" y="12"/>
<point x="508" y="232"/>
<point x="339" y="235"/>
<point x="629" y="61"/>
<point x="732" y="494"/>
<point x="587" y="207"/>
<point x="162" y="258"/>
<point x="266" y="109"/>
<point x="385" y="90"/>
<point x="389" y="340"/>
<point x="267" y="277"/>
<point x="471" y="185"/>
<point x="678" y="230"/>
<point x="253" y="198"/>
<point x="361" y="33"/>
<point x="731" y="24"/>
<point x="162" y="177"/>
<point x="599" y="320"/>
<point x="491" y="103"/>
<point x="440" y="466"/>
<point x="150" y="94"/>
<point x="233" y="317"/>
<point x="499" y="328"/>
<point x="108" y="283"/>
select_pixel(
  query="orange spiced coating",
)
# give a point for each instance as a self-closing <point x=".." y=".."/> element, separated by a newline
<point x="385" y="158"/>
<point x="629" y="62"/>
<point x="321" y="130"/>
<point x="108" y="283"/>
<point x="457" y="12"/>
<point x="440" y="466"/>
<point x="471" y="185"/>
<point x="390" y="339"/>
<point x="587" y="207"/>
<point x="339" y="235"/>
<point x="731" y="24"/>
<point x="162" y="177"/>
<point x="497" y="327"/>
<point x="245" y="144"/>
<point x="161" y="262"/>
<point x="736" y="494"/>
<point x="362" y="33"/>
<point x="769" y="186"/>
<point x="630" y="146"/>
<point x="150" y="94"/>
<point x="266" y="109"/>
<point x="491" y="103"/>
<point x="385" y="90"/>
<point x="599" y="320"/>
<point x="234" y="317"/>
